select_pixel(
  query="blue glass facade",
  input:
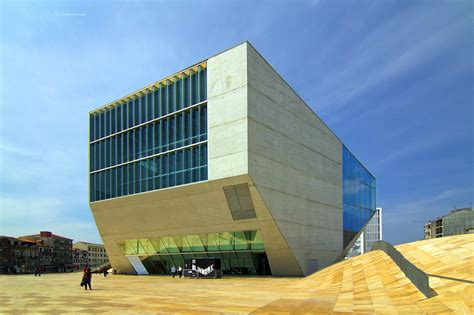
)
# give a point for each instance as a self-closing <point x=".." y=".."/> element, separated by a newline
<point x="155" y="140"/>
<point x="358" y="195"/>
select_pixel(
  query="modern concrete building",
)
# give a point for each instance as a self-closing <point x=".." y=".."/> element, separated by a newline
<point x="223" y="159"/>
<point x="458" y="221"/>
<point x="96" y="254"/>
<point x="371" y="233"/>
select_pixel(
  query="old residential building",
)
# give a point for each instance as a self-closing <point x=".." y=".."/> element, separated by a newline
<point x="17" y="256"/>
<point x="54" y="251"/>
<point x="80" y="259"/>
<point x="96" y="254"/>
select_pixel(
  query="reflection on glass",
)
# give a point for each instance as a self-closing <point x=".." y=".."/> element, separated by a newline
<point x="358" y="195"/>
<point x="173" y="130"/>
<point x="241" y="252"/>
<point x="211" y="242"/>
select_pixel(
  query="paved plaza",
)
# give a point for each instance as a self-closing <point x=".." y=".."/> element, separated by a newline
<point x="371" y="283"/>
<point x="52" y="293"/>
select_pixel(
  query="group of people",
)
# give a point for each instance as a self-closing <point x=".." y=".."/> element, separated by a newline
<point x="177" y="271"/>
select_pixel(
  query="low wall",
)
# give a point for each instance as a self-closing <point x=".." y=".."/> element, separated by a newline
<point x="417" y="276"/>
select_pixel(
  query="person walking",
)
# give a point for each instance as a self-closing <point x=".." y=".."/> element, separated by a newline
<point x="105" y="273"/>
<point x="87" y="278"/>
<point x="173" y="271"/>
<point x="37" y="272"/>
<point x="180" y="271"/>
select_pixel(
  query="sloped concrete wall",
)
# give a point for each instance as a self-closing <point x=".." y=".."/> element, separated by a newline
<point x="295" y="163"/>
<point x="189" y="209"/>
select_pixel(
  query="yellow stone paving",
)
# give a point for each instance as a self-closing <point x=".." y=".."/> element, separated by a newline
<point x="370" y="283"/>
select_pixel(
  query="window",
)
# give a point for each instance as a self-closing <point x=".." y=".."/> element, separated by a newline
<point x="151" y="156"/>
<point x="358" y="195"/>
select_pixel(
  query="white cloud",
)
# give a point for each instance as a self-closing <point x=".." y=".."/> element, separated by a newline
<point x="24" y="215"/>
<point x="28" y="209"/>
<point x="391" y="49"/>
<point x="43" y="133"/>
<point x="413" y="146"/>
<point x="423" y="208"/>
<point x="70" y="14"/>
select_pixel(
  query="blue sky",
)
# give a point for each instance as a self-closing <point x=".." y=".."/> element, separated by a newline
<point x="393" y="79"/>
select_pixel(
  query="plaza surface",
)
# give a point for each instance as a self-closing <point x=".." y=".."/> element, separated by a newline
<point x="371" y="283"/>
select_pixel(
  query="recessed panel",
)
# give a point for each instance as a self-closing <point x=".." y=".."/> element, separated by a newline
<point x="240" y="202"/>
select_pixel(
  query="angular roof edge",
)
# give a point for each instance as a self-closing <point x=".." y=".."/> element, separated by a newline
<point x="150" y="86"/>
<point x="204" y="62"/>
<point x="302" y="100"/>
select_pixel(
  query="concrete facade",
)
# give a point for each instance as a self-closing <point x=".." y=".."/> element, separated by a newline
<point x="260" y="133"/>
<point x="295" y="161"/>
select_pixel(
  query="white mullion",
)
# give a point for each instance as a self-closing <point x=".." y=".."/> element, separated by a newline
<point x="198" y="85"/>
<point x="148" y="122"/>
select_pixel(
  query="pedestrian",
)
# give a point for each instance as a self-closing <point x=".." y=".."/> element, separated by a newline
<point x="87" y="278"/>
<point x="173" y="271"/>
<point x="105" y="273"/>
<point x="180" y="271"/>
<point x="37" y="272"/>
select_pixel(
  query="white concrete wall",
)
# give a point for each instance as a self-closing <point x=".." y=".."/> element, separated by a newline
<point x="295" y="163"/>
<point x="227" y="77"/>
<point x="227" y="113"/>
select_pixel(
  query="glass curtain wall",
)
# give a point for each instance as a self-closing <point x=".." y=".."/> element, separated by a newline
<point x="358" y="195"/>
<point x="241" y="252"/>
<point x="155" y="140"/>
<point x="372" y="231"/>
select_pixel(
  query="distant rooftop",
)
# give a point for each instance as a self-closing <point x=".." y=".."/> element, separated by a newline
<point x="88" y="243"/>
<point x="45" y="234"/>
<point x="451" y="212"/>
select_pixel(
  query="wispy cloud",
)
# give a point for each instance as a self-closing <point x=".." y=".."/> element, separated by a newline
<point x="43" y="153"/>
<point x="420" y="144"/>
<point x="23" y="215"/>
<point x="424" y="208"/>
<point x="403" y="220"/>
<point x="390" y="50"/>
<point x="70" y="14"/>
